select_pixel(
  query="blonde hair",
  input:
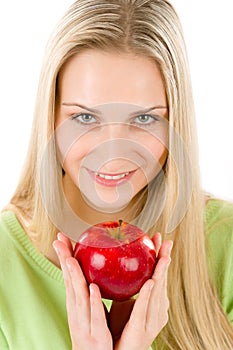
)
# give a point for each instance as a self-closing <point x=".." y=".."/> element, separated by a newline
<point x="150" y="28"/>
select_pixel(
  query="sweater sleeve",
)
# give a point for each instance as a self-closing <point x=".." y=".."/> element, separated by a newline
<point x="220" y="239"/>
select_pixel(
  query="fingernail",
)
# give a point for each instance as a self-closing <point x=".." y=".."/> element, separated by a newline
<point x="91" y="289"/>
<point x="59" y="236"/>
<point x="56" y="249"/>
<point x="169" y="249"/>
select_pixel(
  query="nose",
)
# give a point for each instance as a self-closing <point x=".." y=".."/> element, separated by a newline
<point x="114" y="146"/>
<point x="115" y="131"/>
<point x="115" y="138"/>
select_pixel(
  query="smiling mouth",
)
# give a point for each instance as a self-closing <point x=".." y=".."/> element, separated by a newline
<point x="112" y="177"/>
<point x="107" y="179"/>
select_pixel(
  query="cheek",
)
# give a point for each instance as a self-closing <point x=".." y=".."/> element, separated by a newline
<point x="155" y="145"/>
<point x="157" y="149"/>
<point x="159" y="155"/>
<point x="76" y="154"/>
<point x="155" y="155"/>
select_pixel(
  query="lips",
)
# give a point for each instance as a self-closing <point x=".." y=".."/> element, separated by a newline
<point x="110" y="180"/>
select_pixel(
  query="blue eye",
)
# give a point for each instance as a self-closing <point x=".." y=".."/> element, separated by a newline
<point x="84" y="118"/>
<point x="145" y="119"/>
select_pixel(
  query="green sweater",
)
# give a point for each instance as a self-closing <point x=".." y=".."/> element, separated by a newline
<point x="32" y="292"/>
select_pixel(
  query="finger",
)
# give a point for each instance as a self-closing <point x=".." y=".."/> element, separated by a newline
<point x="63" y="253"/>
<point x="76" y="286"/>
<point x="78" y="280"/>
<point x="158" y="299"/>
<point x="160" y="281"/>
<point x="78" y="305"/>
<point x="157" y="240"/>
<point x="138" y="315"/>
<point x="63" y="238"/>
<point x="165" y="249"/>
<point x="62" y="249"/>
<point x="161" y="267"/>
<point x="99" y="326"/>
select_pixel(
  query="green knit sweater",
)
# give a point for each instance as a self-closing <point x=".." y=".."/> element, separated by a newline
<point x="32" y="292"/>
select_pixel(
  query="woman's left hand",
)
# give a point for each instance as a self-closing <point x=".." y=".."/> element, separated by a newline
<point x="150" y="311"/>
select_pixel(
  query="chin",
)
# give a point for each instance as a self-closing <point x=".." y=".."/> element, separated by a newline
<point x="107" y="204"/>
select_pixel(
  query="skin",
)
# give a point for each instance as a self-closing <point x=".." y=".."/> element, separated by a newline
<point x="95" y="78"/>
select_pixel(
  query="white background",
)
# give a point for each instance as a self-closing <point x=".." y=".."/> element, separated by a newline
<point x="208" y="26"/>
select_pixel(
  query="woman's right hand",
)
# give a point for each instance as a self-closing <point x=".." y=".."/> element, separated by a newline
<point x="85" y="310"/>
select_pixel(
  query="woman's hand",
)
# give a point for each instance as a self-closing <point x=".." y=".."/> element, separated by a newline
<point x="86" y="313"/>
<point x="150" y="310"/>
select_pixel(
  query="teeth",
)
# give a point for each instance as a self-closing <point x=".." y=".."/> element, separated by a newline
<point x="109" y="177"/>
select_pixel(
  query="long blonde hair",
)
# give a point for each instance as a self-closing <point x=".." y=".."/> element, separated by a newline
<point x="150" y="28"/>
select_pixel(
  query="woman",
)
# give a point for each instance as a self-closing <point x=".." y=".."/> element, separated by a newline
<point x="137" y="46"/>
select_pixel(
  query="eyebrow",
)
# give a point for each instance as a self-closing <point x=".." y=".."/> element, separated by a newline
<point x="142" y="111"/>
<point x="92" y="110"/>
<point x="71" y="104"/>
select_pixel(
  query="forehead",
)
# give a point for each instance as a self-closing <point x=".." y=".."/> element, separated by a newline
<point x="95" y="77"/>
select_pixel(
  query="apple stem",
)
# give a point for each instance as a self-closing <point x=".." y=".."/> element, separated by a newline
<point x="119" y="229"/>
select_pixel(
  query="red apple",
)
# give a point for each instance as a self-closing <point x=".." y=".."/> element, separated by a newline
<point x="117" y="256"/>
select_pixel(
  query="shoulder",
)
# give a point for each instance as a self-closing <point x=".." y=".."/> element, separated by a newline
<point x="7" y="219"/>
<point x="11" y="232"/>
<point x="7" y="226"/>
<point x="219" y="226"/>
<point x="219" y="216"/>
<point x="219" y="234"/>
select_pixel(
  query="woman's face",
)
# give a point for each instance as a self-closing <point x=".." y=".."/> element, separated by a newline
<point x="111" y="126"/>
